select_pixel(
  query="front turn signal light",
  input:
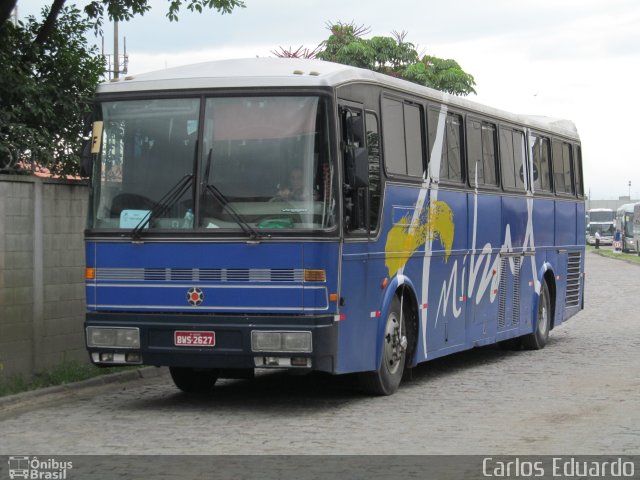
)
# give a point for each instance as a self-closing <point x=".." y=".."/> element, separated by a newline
<point x="315" y="276"/>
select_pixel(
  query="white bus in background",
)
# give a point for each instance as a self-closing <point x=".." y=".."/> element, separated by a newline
<point x="601" y="220"/>
<point x="636" y="227"/>
<point x="624" y="223"/>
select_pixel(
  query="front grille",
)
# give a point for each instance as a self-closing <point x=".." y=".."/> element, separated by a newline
<point x="205" y="275"/>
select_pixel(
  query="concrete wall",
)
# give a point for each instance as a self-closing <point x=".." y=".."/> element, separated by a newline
<point x="41" y="273"/>
<point x="612" y="204"/>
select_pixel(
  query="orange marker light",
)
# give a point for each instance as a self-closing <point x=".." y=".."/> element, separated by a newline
<point x="384" y="283"/>
<point x="315" y="275"/>
<point x="89" y="273"/>
<point x="333" y="297"/>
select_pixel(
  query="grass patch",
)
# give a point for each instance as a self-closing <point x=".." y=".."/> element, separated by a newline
<point x="608" y="252"/>
<point x="67" y="372"/>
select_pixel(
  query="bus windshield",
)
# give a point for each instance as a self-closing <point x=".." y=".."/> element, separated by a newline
<point x="239" y="163"/>
<point x="605" y="229"/>
<point x="601" y="215"/>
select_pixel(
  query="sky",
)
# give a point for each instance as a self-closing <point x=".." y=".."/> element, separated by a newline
<point x="574" y="59"/>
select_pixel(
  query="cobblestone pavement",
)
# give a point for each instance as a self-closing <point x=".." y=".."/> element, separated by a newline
<point x="580" y="395"/>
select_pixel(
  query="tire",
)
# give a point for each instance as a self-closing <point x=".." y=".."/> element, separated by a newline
<point x="538" y="339"/>
<point x="190" y="380"/>
<point x="386" y="380"/>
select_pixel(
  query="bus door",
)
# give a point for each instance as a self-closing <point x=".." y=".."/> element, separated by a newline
<point x="357" y="337"/>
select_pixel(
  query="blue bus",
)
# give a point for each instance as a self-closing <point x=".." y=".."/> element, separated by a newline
<point x="299" y="214"/>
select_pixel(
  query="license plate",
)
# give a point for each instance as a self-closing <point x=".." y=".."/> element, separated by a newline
<point x="194" y="339"/>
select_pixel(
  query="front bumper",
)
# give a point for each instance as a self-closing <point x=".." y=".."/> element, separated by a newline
<point x="232" y="349"/>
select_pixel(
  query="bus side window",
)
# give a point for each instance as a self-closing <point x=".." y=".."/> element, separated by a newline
<point x="402" y="129"/>
<point x="540" y="161"/>
<point x="567" y="161"/>
<point x="375" y="186"/>
<point x="506" y="158"/>
<point x="489" y="154"/>
<point x="454" y="147"/>
<point x="512" y="158"/>
<point x="558" y="167"/>
<point x="413" y="139"/>
<point x="562" y="167"/>
<point x="520" y="159"/>
<point x="474" y="152"/>
<point x="451" y="151"/>
<point x="481" y="144"/>
<point x="578" y="171"/>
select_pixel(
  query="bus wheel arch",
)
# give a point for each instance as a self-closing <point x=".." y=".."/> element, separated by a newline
<point x="411" y="314"/>
<point x="547" y="275"/>
<point x="550" y="280"/>
<point x="397" y="340"/>
<point x="542" y="314"/>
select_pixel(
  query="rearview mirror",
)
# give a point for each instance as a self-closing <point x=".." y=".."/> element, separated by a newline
<point x="357" y="160"/>
<point x="86" y="159"/>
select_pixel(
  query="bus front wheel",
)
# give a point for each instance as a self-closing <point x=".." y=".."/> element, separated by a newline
<point x="386" y="379"/>
<point x="190" y="380"/>
<point x="538" y="339"/>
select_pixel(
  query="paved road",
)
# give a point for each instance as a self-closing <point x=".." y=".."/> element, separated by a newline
<point x="580" y="395"/>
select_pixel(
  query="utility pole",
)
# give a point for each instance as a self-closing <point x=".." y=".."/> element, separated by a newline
<point x="120" y="64"/>
<point x="116" y="53"/>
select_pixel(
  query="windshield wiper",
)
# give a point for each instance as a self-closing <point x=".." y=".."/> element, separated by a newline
<point x="244" y="225"/>
<point x="224" y="201"/>
<point x="165" y="203"/>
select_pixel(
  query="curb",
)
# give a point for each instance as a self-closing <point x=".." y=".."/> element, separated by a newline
<point x="50" y="393"/>
<point x="621" y="258"/>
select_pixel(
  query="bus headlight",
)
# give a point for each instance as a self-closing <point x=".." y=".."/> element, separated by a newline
<point x="296" y="341"/>
<point x="281" y="341"/>
<point x="115" y="337"/>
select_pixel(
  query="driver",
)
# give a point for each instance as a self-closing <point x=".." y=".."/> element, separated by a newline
<point x="295" y="189"/>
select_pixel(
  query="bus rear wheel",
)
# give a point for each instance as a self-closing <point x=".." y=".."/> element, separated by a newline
<point x="386" y="379"/>
<point x="538" y="339"/>
<point x="191" y="380"/>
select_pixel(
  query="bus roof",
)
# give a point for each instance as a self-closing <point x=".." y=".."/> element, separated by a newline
<point x="627" y="207"/>
<point x="292" y="72"/>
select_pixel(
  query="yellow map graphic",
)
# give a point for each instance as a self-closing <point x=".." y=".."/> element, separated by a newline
<point x="404" y="238"/>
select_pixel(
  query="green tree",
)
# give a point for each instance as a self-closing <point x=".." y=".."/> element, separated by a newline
<point x="391" y="55"/>
<point x="45" y="91"/>
<point x="121" y="10"/>
<point x="441" y="74"/>
<point x="49" y="76"/>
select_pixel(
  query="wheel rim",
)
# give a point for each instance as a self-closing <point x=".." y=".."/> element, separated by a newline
<point x="394" y="343"/>
<point x="543" y="315"/>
